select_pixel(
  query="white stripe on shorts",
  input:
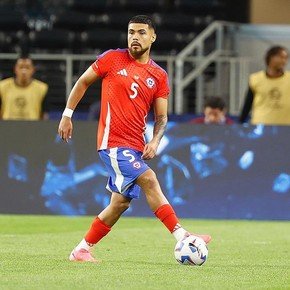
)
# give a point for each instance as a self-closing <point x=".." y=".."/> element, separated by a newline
<point x="115" y="165"/>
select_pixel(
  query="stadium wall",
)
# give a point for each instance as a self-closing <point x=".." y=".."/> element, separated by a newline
<point x="271" y="12"/>
<point x="223" y="172"/>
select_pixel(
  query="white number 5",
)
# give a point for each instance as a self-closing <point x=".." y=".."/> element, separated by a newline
<point x="134" y="87"/>
<point x="127" y="153"/>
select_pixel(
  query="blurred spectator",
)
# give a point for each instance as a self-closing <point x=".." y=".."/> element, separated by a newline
<point x="22" y="97"/>
<point x="268" y="96"/>
<point x="214" y="113"/>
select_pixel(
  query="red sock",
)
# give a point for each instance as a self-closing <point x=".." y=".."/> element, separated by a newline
<point x="97" y="231"/>
<point x="167" y="215"/>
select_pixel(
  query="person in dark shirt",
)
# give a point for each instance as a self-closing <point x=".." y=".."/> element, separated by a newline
<point x="214" y="113"/>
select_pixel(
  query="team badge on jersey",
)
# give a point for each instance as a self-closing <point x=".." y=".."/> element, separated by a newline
<point x="150" y="83"/>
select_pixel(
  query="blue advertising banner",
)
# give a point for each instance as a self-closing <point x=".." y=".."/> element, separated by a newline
<point x="227" y="172"/>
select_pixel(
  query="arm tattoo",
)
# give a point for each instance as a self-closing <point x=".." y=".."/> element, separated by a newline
<point x="159" y="127"/>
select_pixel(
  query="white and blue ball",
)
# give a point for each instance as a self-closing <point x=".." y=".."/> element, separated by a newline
<point x="191" y="251"/>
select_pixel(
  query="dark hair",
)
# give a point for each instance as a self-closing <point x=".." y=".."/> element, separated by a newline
<point x="274" y="50"/>
<point x="24" y="56"/>
<point x="215" y="103"/>
<point x="143" y="19"/>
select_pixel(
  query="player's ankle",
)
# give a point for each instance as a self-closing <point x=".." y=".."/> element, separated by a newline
<point x="84" y="245"/>
<point x="179" y="233"/>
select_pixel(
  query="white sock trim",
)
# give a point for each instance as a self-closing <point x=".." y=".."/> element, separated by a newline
<point x="179" y="234"/>
<point x="83" y="245"/>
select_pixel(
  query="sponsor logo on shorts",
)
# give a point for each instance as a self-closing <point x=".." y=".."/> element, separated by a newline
<point x="136" y="165"/>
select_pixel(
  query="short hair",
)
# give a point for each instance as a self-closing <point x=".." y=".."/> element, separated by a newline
<point x="24" y="56"/>
<point x="215" y="103"/>
<point x="143" y="19"/>
<point x="274" y="50"/>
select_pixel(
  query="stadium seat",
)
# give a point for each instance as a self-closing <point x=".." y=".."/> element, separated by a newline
<point x="178" y="22"/>
<point x="5" y="42"/>
<point x="75" y="21"/>
<point x="56" y="39"/>
<point x="91" y="6"/>
<point x="143" y="6"/>
<point x="197" y="5"/>
<point x="12" y="20"/>
<point x="171" y="41"/>
<point x="103" y="39"/>
<point x="120" y="20"/>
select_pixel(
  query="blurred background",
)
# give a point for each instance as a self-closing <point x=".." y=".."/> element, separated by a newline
<point x="208" y="47"/>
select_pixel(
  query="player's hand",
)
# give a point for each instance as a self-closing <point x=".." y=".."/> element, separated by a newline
<point x="65" y="128"/>
<point x="150" y="150"/>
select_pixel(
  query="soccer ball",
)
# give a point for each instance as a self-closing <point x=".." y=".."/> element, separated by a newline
<point x="191" y="251"/>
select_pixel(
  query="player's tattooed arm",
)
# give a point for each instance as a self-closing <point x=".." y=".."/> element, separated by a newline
<point x="160" y="112"/>
<point x="159" y="127"/>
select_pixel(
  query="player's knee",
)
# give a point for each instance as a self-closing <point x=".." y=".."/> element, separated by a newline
<point x="121" y="206"/>
<point x="150" y="180"/>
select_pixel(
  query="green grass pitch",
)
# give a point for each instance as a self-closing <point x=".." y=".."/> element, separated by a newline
<point x="138" y="254"/>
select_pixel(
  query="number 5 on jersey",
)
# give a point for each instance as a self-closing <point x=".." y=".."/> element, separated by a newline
<point x="134" y="87"/>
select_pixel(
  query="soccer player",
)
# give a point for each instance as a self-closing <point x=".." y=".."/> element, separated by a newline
<point x="131" y="83"/>
<point x="268" y="96"/>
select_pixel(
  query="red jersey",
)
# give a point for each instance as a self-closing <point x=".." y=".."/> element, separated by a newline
<point x="128" y="91"/>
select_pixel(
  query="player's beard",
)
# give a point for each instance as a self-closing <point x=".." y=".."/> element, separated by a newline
<point x="138" y="53"/>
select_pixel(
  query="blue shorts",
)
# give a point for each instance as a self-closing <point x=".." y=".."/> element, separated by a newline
<point x="124" y="165"/>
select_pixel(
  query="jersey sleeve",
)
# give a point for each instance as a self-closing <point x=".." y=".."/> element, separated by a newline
<point x="163" y="87"/>
<point x="103" y="63"/>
